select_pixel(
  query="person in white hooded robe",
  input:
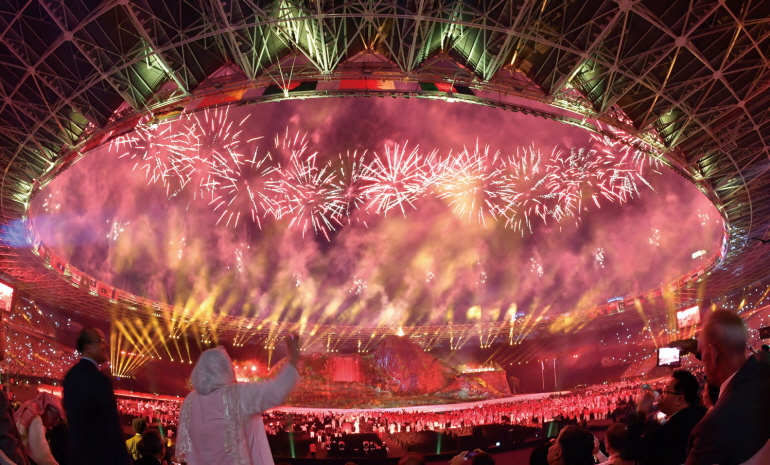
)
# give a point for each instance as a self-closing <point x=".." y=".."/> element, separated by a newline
<point x="220" y="422"/>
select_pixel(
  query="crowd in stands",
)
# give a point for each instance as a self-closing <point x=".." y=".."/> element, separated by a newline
<point x="163" y="412"/>
<point x="27" y="355"/>
<point x="594" y="402"/>
<point x="362" y="433"/>
<point x="29" y="317"/>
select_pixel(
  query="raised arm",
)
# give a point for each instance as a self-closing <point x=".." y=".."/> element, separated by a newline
<point x="260" y="396"/>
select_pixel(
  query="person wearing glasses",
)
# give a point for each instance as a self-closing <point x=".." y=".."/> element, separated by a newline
<point x="95" y="434"/>
<point x="666" y="443"/>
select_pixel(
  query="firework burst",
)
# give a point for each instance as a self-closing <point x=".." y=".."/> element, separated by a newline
<point x="531" y="194"/>
<point x="247" y="185"/>
<point x="589" y="175"/>
<point x="473" y="184"/>
<point x="148" y="147"/>
<point x="211" y="160"/>
<point x="310" y="196"/>
<point x="397" y="178"/>
<point x="626" y="145"/>
<point x="214" y="151"/>
<point x="350" y="184"/>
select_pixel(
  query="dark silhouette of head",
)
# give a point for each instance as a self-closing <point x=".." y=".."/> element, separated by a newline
<point x="92" y="343"/>
<point x="152" y="444"/>
<point x="139" y="425"/>
<point x="574" y="446"/>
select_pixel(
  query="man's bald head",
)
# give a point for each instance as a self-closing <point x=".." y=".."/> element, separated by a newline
<point x="722" y="344"/>
<point x="727" y="332"/>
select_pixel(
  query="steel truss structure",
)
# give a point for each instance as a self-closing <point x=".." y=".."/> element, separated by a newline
<point x="690" y="80"/>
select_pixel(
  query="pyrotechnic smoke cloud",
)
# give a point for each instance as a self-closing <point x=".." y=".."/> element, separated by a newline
<point x="441" y="244"/>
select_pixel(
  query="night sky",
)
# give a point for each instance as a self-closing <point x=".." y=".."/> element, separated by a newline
<point x="425" y="266"/>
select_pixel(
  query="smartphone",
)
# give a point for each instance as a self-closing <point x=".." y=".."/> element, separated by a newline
<point x="669" y="357"/>
<point x="471" y="454"/>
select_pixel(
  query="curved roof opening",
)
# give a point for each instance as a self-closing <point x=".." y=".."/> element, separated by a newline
<point x="374" y="212"/>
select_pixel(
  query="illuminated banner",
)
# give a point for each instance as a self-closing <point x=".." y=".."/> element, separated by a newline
<point x="75" y="276"/>
<point x="58" y="264"/>
<point x="106" y="291"/>
<point x="366" y="84"/>
<point x="445" y="87"/>
<point x="222" y="97"/>
<point x="6" y="297"/>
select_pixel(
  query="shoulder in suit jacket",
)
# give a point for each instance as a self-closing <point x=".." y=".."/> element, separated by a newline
<point x="95" y="434"/>
<point x="739" y="424"/>
<point x="654" y="444"/>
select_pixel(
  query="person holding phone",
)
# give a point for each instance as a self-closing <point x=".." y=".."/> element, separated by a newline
<point x="473" y="457"/>
<point x="666" y="444"/>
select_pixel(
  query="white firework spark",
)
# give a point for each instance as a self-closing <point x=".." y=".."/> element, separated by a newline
<point x="473" y="183"/>
<point x="529" y="194"/>
<point x="310" y="196"/>
<point x="396" y="178"/>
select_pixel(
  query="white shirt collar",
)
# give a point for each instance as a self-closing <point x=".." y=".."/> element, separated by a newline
<point x="724" y="385"/>
<point x="90" y="360"/>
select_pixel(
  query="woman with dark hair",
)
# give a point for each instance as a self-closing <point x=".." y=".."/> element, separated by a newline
<point x="539" y="455"/>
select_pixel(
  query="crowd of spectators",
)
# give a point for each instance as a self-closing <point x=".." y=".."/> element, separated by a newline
<point x="154" y="412"/>
<point x="640" y="367"/>
<point x="29" y="317"/>
<point x="363" y="432"/>
<point x="419" y="431"/>
<point x="30" y="356"/>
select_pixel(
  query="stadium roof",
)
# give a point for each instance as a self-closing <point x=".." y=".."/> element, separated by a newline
<point x="689" y="79"/>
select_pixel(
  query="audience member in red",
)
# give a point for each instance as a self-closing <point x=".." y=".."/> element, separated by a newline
<point x="739" y="424"/>
<point x="95" y="434"/>
<point x="573" y="446"/>
<point x="654" y="443"/>
<point x="33" y="418"/>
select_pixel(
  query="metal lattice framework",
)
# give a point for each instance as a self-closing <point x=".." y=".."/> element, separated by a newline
<point x="690" y="79"/>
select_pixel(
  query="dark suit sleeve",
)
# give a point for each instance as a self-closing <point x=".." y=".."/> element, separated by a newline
<point x="704" y="445"/>
<point x="635" y="432"/>
<point x="110" y="418"/>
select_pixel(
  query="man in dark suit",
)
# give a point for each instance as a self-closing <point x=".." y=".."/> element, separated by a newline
<point x="738" y="426"/>
<point x="653" y="443"/>
<point x="95" y="435"/>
